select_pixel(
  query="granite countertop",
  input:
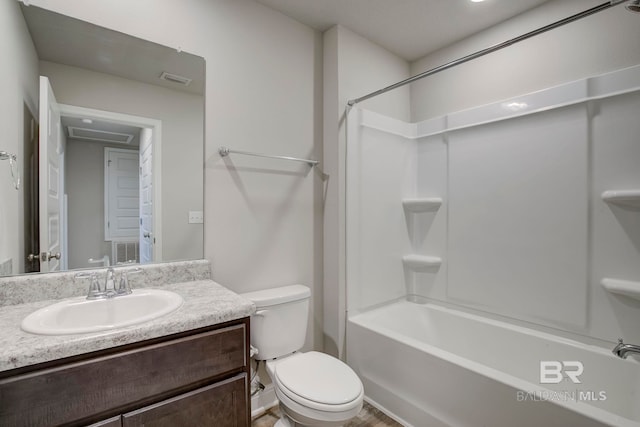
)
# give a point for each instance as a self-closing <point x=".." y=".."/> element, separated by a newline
<point x="205" y="303"/>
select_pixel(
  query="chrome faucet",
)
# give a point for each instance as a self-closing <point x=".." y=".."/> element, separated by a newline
<point x="622" y="350"/>
<point x="109" y="290"/>
<point x="110" y="283"/>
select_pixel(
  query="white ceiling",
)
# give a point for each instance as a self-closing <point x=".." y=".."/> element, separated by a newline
<point x="409" y="28"/>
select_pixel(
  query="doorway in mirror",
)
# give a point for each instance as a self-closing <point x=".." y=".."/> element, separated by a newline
<point x="113" y="166"/>
<point x="101" y="171"/>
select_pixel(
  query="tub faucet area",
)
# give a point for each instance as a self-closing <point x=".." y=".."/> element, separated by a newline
<point x="622" y="350"/>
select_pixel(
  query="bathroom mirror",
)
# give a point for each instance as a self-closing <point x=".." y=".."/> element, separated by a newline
<point x="128" y="170"/>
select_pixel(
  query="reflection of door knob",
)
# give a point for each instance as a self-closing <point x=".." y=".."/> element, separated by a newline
<point x="146" y="235"/>
<point x="32" y="257"/>
<point x="56" y="256"/>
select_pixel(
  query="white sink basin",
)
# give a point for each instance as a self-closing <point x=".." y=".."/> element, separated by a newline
<point x="79" y="315"/>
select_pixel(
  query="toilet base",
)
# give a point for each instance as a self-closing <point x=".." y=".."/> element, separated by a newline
<point x="297" y="416"/>
<point x="284" y="422"/>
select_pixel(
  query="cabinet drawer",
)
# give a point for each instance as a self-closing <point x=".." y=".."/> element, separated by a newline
<point x="101" y="384"/>
<point x="223" y="404"/>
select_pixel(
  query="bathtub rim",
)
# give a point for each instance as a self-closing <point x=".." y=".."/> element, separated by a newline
<point x="598" y="414"/>
<point x="568" y="337"/>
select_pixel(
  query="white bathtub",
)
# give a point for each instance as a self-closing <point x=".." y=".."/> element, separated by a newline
<point x="431" y="366"/>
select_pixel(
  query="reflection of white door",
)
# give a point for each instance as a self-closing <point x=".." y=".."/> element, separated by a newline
<point x="147" y="238"/>
<point x="50" y="181"/>
<point x="121" y="194"/>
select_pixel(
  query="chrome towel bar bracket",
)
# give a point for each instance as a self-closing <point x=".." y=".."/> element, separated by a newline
<point x="13" y="166"/>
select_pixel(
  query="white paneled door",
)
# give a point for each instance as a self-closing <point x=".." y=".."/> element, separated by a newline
<point x="147" y="239"/>
<point x="121" y="194"/>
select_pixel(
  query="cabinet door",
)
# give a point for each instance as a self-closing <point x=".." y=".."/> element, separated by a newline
<point x="222" y="404"/>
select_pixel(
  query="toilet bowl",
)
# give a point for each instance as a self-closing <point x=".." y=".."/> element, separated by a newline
<point x="314" y="389"/>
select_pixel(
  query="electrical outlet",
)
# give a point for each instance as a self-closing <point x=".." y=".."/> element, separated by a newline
<point x="196" y="217"/>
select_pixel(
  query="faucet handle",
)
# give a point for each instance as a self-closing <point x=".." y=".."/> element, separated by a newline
<point x="124" y="288"/>
<point x="110" y="280"/>
<point x="94" y="286"/>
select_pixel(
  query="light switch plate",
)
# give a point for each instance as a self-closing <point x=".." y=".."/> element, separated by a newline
<point x="196" y="217"/>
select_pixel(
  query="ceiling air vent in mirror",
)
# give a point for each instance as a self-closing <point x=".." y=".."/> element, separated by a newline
<point x="174" y="78"/>
<point x="99" y="135"/>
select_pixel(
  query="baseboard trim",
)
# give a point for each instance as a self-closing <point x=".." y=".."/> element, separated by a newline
<point x="263" y="401"/>
<point x="387" y="412"/>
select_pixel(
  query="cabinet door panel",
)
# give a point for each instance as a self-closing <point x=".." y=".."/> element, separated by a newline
<point x="79" y="390"/>
<point x="219" y="405"/>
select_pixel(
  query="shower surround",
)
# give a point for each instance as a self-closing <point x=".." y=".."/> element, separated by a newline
<point x="512" y="212"/>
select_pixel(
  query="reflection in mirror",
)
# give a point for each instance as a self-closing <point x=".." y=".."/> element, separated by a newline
<point x="111" y="153"/>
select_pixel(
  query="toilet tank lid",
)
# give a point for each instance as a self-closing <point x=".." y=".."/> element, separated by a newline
<point x="280" y="295"/>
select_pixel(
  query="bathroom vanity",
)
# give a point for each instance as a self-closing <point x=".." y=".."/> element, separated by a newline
<point x="190" y="367"/>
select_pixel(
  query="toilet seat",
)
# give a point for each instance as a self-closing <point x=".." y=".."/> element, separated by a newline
<point x="319" y="381"/>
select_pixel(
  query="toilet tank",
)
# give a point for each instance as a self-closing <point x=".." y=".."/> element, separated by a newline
<point x="279" y="326"/>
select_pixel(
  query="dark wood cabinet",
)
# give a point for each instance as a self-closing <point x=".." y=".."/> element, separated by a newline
<point x="220" y="405"/>
<point x="193" y="378"/>
<point x="111" y="422"/>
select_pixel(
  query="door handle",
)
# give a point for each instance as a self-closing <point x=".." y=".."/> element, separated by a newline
<point x="44" y="256"/>
<point x="146" y="235"/>
<point x="32" y="257"/>
<point x="50" y="256"/>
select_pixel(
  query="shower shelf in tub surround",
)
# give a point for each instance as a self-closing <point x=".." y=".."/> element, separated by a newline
<point x="421" y="262"/>
<point x="627" y="288"/>
<point x="622" y="197"/>
<point x="424" y="204"/>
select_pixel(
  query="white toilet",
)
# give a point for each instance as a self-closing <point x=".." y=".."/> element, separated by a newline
<point x="314" y="389"/>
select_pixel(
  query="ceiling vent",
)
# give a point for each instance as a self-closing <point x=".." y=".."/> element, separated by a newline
<point x="100" y="135"/>
<point x="174" y="78"/>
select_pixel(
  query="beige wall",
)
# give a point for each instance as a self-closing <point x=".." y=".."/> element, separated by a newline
<point x="182" y="135"/>
<point x="19" y="87"/>
<point x="263" y="219"/>
<point x="264" y="223"/>
<point x="353" y="66"/>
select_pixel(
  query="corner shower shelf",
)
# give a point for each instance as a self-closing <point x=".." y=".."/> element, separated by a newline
<point x="425" y="204"/>
<point x="622" y="287"/>
<point x="622" y="197"/>
<point x="421" y="262"/>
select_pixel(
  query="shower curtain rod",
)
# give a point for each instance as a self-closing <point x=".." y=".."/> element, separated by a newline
<point x="488" y="50"/>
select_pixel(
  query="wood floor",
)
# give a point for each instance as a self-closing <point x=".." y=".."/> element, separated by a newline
<point x="368" y="417"/>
